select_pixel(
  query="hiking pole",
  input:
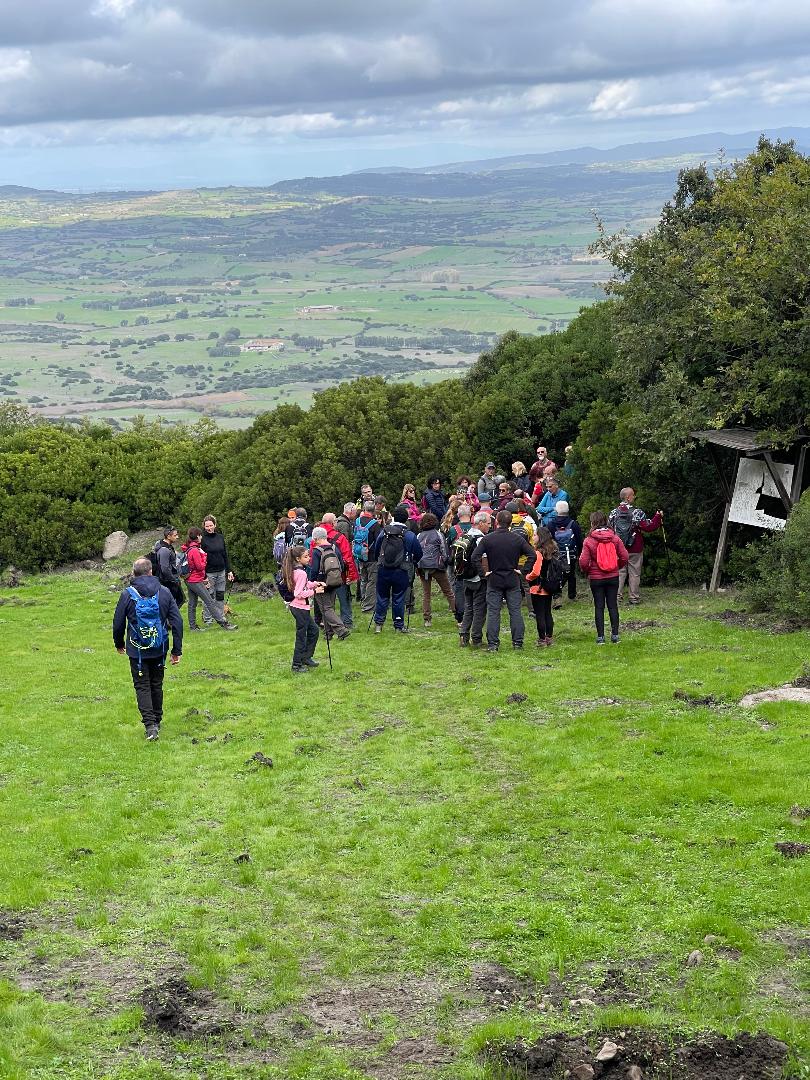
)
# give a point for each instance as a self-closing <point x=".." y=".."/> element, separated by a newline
<point x="328" y="649"/>
<point x="666" y="546"/>
<point x="370" y="621"/>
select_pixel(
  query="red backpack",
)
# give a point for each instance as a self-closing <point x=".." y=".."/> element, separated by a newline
<point x="607" y="558"/>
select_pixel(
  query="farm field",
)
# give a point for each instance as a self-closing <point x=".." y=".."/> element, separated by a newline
<point x="449" y="849"/>
<point x="125" y="304"/>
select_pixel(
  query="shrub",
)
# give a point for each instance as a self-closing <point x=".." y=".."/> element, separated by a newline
<point x="780" y="578"/>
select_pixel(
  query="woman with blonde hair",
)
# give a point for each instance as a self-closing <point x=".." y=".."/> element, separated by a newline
<point x="410" y="502"/>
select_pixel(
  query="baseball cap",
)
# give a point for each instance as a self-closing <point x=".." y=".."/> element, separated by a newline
<point x="490" y="465"/>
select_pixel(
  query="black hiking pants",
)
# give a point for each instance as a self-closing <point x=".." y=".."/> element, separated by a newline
<point x="306" y="635"/>
<point x="604" y="592"/>
<point x="541" y="606"/>
<point x="149" y="688"/>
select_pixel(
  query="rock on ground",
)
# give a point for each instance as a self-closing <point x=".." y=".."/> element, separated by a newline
<point x="779" y="693"/>
<point x="115" y="545"/>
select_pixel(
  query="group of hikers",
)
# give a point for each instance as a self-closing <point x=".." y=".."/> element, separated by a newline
<point x="498" y="542"/>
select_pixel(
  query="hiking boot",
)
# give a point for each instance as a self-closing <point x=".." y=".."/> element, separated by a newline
<point x="517" y="644"/>
<point x="541" y="643"/>
<point x="343" y="636"/>
<point x="614" y="639"/>
<point x="377" y="627"/>
<point x="463" y="640"/>
<point x="309" y="662"/>
<point x="152" y="733"/>
<point x="636" y="601"/>
<point x="556" y="605"/>
<point x="492" y="648"/>
<point x="476" y="644"/>
<point x="228" y="626"/>
<point x="402" y="630"/>
<point x="428" y="623"/>
<point x="198" y="629"/>
<point x="299" y="669"/>
<point x="600" y="640"/>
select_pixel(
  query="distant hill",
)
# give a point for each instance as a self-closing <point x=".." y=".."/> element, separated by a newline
<point x="708" y="145"/>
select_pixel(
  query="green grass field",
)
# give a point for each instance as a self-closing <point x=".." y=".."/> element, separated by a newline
<point x="178" y="910"/>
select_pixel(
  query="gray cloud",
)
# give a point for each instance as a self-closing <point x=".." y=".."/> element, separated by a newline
<point x="353" y="66"/>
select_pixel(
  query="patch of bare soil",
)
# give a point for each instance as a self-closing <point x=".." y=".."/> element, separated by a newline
<point x="754" y="622"/>
<point x="696" y="701"/>
<point x="641" y="624"/>
<point x="12" y="926"/>
<point x="174" y="1008"/>
<point x="642" y="1055"/>
<point x="792" y="849"/>
<point x="203" y="673"/>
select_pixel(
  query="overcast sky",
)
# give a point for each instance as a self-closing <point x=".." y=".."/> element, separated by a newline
<point x="133" y="93"/>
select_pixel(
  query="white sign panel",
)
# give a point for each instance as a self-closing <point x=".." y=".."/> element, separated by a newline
<point x="756" y="500"/>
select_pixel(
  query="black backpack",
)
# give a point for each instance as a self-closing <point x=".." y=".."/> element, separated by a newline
<point x="462" y="553"/>
<point x="553" y="574"/>
<point x="623" y="525"/>
<point x="392" y="549"/>
<point x="299" y="535"/>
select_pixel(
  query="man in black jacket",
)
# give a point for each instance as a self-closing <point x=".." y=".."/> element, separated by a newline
<point x="498" y="555"/>
<point x="166" y="556"/>
<point x="145" y="640"/>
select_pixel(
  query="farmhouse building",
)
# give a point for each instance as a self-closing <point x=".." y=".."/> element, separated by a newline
<point x="262" y="344"/>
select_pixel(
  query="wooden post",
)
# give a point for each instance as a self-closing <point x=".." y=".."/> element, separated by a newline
<point x="798" y="475"/>
<point x="777" y="479"/>
<point x="722" y="541"/>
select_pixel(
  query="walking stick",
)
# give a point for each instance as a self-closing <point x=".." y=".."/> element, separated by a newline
<point x="370" y="621"/>
<point x="666" y="547"/>
<point x="328" y="649"/>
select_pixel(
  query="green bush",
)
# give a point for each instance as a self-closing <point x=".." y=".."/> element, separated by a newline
<point x="780" y="578"/>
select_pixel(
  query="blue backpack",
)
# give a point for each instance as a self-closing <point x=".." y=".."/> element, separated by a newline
<point x="566" y="542"/>
<point x="360" y="544"/>
<point x="148" y="632"/>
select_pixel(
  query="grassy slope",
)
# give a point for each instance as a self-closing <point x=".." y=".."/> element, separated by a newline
<point x="547" y="835"/>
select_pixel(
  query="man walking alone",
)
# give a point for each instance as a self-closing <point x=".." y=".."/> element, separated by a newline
<point x="140" y="632"/>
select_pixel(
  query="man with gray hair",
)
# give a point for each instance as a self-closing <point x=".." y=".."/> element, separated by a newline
<point x="471" y="627"/>
<point x="343" y="546"/>
<point x="327" y="567"/>
<point x="144" y="612"/>
<point x="629" y="522"/>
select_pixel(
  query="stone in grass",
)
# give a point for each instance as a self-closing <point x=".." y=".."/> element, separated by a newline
<point x="635" y="1073"/>
<point x="243" y="858"/>
<point x="608" y="1052"/>
<point x="114" y="545"/>
<point x="695" y="958"/>
<point x="582" y="1072"/>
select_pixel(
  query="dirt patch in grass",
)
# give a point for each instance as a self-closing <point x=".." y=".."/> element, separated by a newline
<point x="791" y="849"/>
<point x="171" y="1006"/>
<point x="641" y="624"/>
<point x="642" y="1053"/>
<point x="12" y="926"/>
<point x="203" y="673"/>
<point x="92" y="979"/>
<point x="695" y="700"/>
<point x="745" y="621"/>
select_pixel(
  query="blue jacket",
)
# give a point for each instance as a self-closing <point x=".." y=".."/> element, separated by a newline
<point x="413" y="549"/>
<point x="124" y="616"/>
<point x="546" y="508"/>
<point x="435" y="502"/>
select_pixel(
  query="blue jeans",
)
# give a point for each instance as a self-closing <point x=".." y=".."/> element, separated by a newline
<point x="392" y="587"/>
<point x="343" y="596"/>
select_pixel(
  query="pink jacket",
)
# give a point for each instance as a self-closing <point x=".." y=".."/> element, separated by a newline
<point x="303" y="589"/>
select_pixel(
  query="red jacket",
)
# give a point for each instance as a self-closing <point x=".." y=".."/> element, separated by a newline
<point x="587" y="560"/>
<point x="345" y="549"/>
<point x="197" y="560"/>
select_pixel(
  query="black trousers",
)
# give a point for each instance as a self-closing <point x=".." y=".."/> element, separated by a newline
<point x="541" y="606"/>
<point x="148" y="688"/>
<point x="306" y="635"/>
<point x="571" y="578"/>
<point x="606" y="592"/>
